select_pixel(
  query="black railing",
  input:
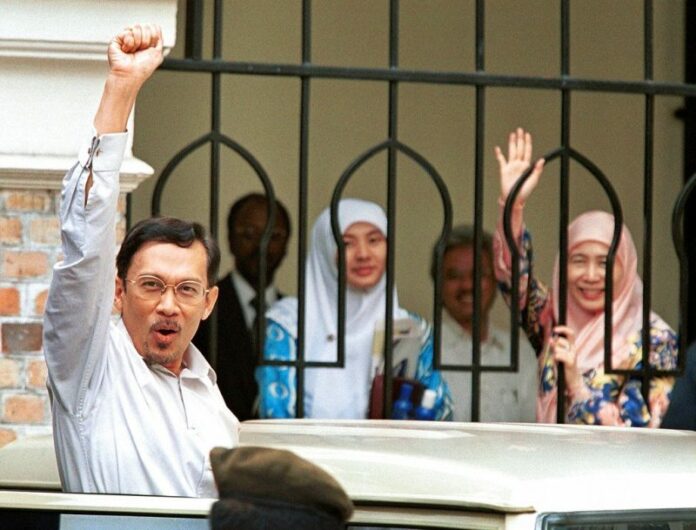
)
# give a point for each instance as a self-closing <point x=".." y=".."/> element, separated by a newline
<point x="565" y="84"/>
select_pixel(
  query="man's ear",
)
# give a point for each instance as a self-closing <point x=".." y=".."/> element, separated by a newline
<point x="118" y="295"/>
<point x="210" y="300"/>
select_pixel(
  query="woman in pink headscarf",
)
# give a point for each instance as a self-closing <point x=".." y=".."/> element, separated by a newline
<point x="593" y="397"/>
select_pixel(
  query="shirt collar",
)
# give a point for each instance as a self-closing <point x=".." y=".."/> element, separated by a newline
<point x="247" y="293"/>
<point x="448" y="320"/>
<point x="195" y="363"/>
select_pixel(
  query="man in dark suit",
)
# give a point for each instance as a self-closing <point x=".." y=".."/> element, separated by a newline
<point x="236" y="311"/>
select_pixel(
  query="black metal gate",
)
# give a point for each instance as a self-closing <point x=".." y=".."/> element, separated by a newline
<point x="564" y="84"/>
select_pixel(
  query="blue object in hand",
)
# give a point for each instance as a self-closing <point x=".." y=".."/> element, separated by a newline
<point x="403" y="407"/>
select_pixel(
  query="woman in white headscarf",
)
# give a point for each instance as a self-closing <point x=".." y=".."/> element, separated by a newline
<point x="341" y="392"/>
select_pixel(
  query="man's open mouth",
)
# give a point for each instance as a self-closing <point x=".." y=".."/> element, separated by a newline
<point x="165" y="331"/>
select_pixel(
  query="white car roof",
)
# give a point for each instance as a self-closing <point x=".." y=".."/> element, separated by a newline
<point x="29" y="463"/>
<point x="500" y="468"/>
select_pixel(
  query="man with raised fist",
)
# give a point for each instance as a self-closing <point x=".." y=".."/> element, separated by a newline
<point x="136" y="408"/>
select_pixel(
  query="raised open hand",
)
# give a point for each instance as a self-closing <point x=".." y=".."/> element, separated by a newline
<point x="136" y="52"/>
<point x="518" y="161"/>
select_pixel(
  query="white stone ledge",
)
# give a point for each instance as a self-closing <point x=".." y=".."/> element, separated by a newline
<point x="46" y="172"/>
<point x="83" y="21"/>
<point x="47" y="49"/>
<point x="53" y="64"/>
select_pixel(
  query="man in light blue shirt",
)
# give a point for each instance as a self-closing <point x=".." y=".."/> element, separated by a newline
<point x="136" y="408"/>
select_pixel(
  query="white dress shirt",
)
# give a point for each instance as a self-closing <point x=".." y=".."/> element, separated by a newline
<point x="505" y="396"/>
<point x="119" y="426"/>
<point x="247" y="295"/>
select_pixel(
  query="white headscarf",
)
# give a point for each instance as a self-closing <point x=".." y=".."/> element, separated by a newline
<point x="335" y="392"/>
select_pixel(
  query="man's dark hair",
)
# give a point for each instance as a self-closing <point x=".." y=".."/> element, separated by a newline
<point x="261" y="199"/>
<point x="463" y="236"/>
<point x="167" y="230"/>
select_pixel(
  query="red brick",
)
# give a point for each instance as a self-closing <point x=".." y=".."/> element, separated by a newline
<point x="40" y="302"/>
<point x="24" y="409"/>
<point x="28" y="201"/>
<point x="10" y="230"/>
<point x="7" y="436"/>
<point x="120" y="231"/>
<point x="122" y="204"/>
<point x="17" y="338"/>
<point x="45" y="231"/>
<point x="36" y="374"/>
<point x="9" y="373"/>
<point x="9" y="301"/>
<point x="19" y="264"/>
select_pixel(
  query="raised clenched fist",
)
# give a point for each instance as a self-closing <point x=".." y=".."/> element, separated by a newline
<point x="136" y="52"/>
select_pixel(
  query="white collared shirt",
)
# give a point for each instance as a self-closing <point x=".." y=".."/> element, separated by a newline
<point x="119" y="426"/>
<point x="247" y="293"/>
<point x="505" y="396"/>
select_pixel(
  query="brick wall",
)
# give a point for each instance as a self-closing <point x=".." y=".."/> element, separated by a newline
<point x="29" y="247"/>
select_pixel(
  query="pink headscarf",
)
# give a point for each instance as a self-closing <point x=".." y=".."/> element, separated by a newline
<point x="627" y="305"/>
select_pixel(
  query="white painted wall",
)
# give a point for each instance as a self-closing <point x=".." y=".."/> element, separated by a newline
<point x="53" y="65"/>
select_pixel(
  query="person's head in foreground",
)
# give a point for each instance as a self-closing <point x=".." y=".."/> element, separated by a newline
<point x="272" y="489"/>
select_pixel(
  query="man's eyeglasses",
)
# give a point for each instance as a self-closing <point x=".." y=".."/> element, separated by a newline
<point x="152" y="288"/>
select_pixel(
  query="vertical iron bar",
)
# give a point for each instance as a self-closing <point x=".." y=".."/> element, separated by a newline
<point x="216" y="79"/>
<point x="341" y="309"/>
<point x="194" y="30"/>
<point x="129" y="210"/>
<point x="564" y="202"/>
<point x="687" y="331"/>
<point x="215" y="164"/>
<point x="391" y="206"/>
<point x="302" y="216"/>
<point x="478" y="217"/>
<point x="647" y="196"/>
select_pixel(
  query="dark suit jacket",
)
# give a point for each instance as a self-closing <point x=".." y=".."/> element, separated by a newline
<point x="681" y="413"/>
<point x="236" y="358"/>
